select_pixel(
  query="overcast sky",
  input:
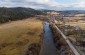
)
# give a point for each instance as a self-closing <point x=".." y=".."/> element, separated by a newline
<point x="46" y="4"/>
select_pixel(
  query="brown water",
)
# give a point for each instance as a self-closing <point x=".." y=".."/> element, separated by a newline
<point x="48" y="47"/>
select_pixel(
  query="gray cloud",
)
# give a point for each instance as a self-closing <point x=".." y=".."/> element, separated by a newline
<point x="42" y="4"/>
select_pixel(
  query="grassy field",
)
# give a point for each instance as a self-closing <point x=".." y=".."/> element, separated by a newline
<point x="15" y="37"/>
<point x="76" y="24"/>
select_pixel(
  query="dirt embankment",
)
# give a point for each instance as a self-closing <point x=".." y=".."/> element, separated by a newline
<point x="61" y="45"/>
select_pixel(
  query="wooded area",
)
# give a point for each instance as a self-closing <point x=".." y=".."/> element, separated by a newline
<point x="17" y="13"/>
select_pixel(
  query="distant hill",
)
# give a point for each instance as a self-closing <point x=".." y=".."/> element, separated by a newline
<point x="44" y="10"/>
<point x="72" y="12"/>
<point x="66" y="12"/>
<point x="17" y="13"/>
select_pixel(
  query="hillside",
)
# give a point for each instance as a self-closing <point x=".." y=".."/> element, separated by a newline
<point x="72" y="12"/>
<point x="8" y="14"/>
<point x="44" y="10"/>
<point x="66" y="12"/>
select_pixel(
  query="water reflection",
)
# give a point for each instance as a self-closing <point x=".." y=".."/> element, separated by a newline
<point x="48" y="44"/>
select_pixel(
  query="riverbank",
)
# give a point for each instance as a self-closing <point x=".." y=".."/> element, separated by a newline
<point x="61" y="45"/>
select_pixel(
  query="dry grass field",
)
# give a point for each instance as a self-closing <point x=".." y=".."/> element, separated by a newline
<point x="15" y="37"/>
<point x="76" y="21"/>
<point x="82" y="25"/>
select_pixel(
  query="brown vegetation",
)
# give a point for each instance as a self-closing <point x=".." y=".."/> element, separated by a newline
<point x="17" y="37"/>
<point x="61" y="45"/>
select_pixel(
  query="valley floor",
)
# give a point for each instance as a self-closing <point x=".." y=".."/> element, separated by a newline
<point x="17" y="36"/>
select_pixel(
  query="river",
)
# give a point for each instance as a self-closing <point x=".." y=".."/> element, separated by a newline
<point x="48" y="47"/>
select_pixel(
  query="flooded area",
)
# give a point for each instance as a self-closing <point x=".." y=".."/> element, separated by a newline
<point x="48" y="47"/>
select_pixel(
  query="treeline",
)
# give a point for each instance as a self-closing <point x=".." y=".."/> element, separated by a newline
<point x="17" y="13"/>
